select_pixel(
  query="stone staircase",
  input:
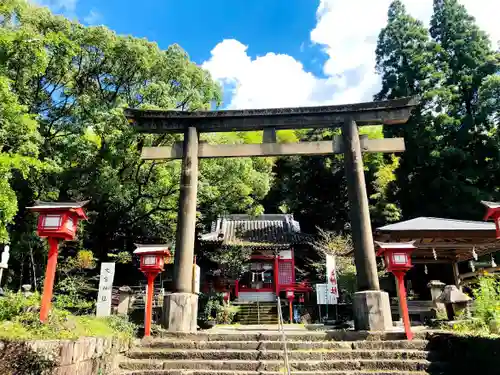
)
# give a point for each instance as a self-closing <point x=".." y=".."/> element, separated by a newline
<point x="331" y="353"/>
<point x="257" y="313"/>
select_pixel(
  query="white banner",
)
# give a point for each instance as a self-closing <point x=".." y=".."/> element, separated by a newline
<point x="103" y="307"/>
<point x="331" y="275"/>
<point x="323" y="297"/>
<point x="196" y="279"/>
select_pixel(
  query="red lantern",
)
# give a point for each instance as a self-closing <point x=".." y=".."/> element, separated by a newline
<point x="493" y="211"/>
<point x="151" y="264"/>
<point x="57" y="221"/>
<point x="397" y="258"/>
<point x="225" y="296"/>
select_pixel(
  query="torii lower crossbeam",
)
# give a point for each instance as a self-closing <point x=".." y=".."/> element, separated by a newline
<point x="336" y="146"/>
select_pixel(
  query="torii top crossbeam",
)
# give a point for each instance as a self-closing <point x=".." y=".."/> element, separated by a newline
<point x="372" y="113"/>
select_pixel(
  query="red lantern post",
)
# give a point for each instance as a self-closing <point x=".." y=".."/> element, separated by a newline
<point x="290" y="295"/>
<point x="57" y="221"/>
<point x="152" y="263"/>
<point x="493" y="212"/>
<point x="397" y="258"/>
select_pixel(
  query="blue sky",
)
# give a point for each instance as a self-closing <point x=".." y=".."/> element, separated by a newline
<point x="270" y="53"/>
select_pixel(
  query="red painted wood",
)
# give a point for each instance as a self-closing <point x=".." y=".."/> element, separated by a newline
<point x="400" y="276"/>
<point x="48" y="284"/>
<point x="276" y="275"/>
<point x="149" y="305"/>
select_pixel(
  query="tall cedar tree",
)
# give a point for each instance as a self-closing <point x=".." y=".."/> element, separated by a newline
<point x="451" y="156"/>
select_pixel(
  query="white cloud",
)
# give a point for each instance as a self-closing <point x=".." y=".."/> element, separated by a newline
<point x="347" y="31"/>
<point x="93" y="17"/>
<point x="64" y="6"/>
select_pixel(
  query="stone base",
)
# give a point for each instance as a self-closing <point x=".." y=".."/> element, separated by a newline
<point x="372" y="311"/>
<point x="180" y="311"/>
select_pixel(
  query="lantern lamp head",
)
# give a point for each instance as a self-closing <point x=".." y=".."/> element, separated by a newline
<point x="59" y="219"/>
<point x="152" y="257"/>
<point x="493" y="212"/>
<point x="290" y="294"/>
<point x="397" y="255"/>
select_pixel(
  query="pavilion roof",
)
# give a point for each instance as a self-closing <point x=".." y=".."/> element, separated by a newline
<point x="264" y="231"/>
<point x="451" y="240"/>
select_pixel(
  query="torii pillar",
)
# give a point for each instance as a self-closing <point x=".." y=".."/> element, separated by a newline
<point x="181" y="306"/>
<point x="371" y="305"/>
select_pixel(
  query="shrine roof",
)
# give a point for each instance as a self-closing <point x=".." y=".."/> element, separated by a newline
<point x="148" y="248"/>
<point x="438" y="224"/>
<point x="45" y="205"/>
<point x="442" y="239"/>
<point x="265" y="231"/>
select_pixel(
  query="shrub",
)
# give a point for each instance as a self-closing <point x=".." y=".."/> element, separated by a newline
<point x="487" y="299"/>
<point x="19" y="319"/>
<point x="486" y="312"/>
<point x="75" y="304"/>
<point x="14" y="304"/>
<point x="226" y="313"/>
<point x="19" y="358"/>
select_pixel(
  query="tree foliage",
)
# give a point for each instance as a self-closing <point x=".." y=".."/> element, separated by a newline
<point x="451" y="159"/>
<point x="63" y="136"/>
<point x="63" y="88"/>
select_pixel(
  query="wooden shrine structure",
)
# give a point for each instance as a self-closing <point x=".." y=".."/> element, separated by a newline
<point x="370" y="302"/>
<point x="273" y="240"/>
<point x="444" y="242"/>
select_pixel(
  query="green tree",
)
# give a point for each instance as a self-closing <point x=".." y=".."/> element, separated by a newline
<point x="451" y="147"/>
<point x="73" y="83"/>
<point x="314" y="187"/>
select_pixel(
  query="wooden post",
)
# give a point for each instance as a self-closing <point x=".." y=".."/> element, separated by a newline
<point x="186" y="223"/>
<point x="148" y="311"/>
<point x="456" y="275"/>
<point x="403" y="305"/>
<point x="364" y="252"/>
<point x="50" y="275"/>
<point x="399" y="297"/>
<point x="269" y="135"/>
<point x="276" y="275"/>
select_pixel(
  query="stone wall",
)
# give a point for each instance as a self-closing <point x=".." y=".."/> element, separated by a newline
<point x="85" y="356"/>
<point x="467" y="354"/>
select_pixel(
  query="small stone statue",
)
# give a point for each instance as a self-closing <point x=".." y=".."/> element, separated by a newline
<point x="5" y="257"/>
<point x="26" y="290"/>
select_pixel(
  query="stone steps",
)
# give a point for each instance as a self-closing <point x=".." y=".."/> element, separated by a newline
<point x="250" y="352"/>
<point x="320" y="366"/>
<point x="268" y="355"/>
<point x="222" y="372"/>
<point x="257" y="314"/>
<point x="291" y="345"/>
<point x="291" y="336"/>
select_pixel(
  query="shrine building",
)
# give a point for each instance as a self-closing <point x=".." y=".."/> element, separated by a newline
<point x="275" y="242"/>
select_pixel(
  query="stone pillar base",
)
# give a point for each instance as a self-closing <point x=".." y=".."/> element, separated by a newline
<point x="180" y="311"/>
<point x="372" y="311"/>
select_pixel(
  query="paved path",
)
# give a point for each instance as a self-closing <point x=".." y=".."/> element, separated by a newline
<point x="295" y="329"/>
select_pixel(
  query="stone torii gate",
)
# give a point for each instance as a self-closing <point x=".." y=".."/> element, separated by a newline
<point x="371" y="306"/>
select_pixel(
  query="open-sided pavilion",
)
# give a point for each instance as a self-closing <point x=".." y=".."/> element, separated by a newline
<point x="444" y="241"/>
